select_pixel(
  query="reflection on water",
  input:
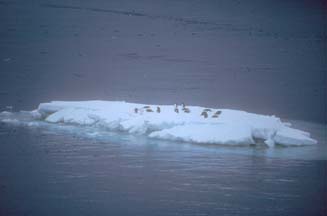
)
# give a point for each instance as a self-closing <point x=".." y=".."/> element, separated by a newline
<point x="55" y="170"/>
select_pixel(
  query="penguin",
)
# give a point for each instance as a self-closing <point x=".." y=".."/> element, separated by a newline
<point x="176" y="108"/>
<point x="187" y="110"/>
<point x="136" y="110"/>
<point x="204" y="114"/>
<point x="218" y="112"/>
<point x="216" y="115"/>
<point x="158" y="110"/>
<point x="149" y="110"/>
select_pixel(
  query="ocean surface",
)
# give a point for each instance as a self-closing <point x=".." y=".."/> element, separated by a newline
<point x="212" y="53"/>
<point x="48" y="169"/>
<point x="265" y="57"/>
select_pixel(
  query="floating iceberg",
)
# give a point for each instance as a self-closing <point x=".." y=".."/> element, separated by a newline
<point x="229" y="127"/>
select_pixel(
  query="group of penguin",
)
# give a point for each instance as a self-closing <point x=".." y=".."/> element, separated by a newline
<point x="184" y="109"/>
<point x="205" y="113"/>
<point x="147" y="109"/>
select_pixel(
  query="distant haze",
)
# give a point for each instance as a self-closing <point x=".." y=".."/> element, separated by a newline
<point x="260" y="56"/>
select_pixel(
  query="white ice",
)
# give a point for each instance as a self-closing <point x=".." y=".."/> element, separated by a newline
<point x="232" y="127"/>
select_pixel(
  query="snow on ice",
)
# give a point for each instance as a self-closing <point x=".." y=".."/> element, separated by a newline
<point x="191" y="124"/>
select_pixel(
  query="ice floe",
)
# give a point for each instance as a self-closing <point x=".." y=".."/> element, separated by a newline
<point x="217" y="126"/>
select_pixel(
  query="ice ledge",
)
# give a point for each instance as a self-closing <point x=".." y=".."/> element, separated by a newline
<point x="216" y="126"/>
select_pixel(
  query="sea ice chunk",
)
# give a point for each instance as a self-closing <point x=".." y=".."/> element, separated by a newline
<point x="232" y="127"/>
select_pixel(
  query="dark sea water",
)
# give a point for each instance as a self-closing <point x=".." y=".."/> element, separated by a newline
<point x="68" y="170"/>
<point x="267" y="57"/>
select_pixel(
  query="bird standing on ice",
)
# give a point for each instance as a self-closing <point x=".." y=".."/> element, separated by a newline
<point x="204" y="114"/>
<point x="176" y="108"/>
<point x="185" y="109"/>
